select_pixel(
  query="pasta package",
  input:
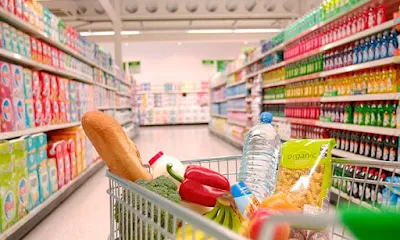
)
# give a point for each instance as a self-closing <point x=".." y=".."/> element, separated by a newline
<point x="305" y="173"/>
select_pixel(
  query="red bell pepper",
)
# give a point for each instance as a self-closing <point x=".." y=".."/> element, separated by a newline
<point x="200" y="185"/>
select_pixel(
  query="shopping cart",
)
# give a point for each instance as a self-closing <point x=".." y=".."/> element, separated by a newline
<point x="137" y="213"/>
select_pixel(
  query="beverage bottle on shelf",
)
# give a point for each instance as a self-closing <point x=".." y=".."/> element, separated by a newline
<point x="368" y="113"/>
<point x="363" y="140"/>
<point x="356" y="49"/>
<point x="391" y="79"/>
<point x="371" y="16"/>
<point x="386" y="148"/>
<point x="369" y="186"/>
<point x="379" y="199"/>
<point x="356" y="143"/>
<point x="379" y="147"/>
<point x="387" y="114"/>
<point x="352" y="140"/>
<point x="361" y="186"/>
<point x="360" y="57"/>
<point x="393" y="43"/>
<point x="357" y="172"/>
<point x="381" y="13"/>
<point x="380" y="112"/>
<point x="371" y="49"/>
<point x="343" y="137"/>
<point x="393" y="117"/>
<point x="378" y="46"/>
<point x="350" y="174"/>
<point x="347" y="143"/>
<point x="368" y="142"/>
<point x="393" y="149"/>
<point x="383" y="80"/>
<point x="261" y="156"/>
<point x="370" y="83"/>
<point x="354" y="24"/>
<point x="362" y="114"/>
<point x="377" y="80"/>
<point x="374" y="113"/>
<point x="385" y="44"/>
<point x="374" y="142"/>
<point x="367" y="44"/>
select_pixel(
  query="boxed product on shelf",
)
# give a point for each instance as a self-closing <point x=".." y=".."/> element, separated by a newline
<point x="55" y="151"/>
<point x="237" y="104"/>
<point x="235" y="90"/>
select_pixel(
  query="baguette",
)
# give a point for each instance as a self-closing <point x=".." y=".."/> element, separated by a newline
<point x="118" y="152"/>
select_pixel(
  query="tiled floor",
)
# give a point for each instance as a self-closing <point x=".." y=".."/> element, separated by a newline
<point x="85" y="214"/>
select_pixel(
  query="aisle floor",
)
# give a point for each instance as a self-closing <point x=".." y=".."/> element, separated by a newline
<point x="85" y="214"/>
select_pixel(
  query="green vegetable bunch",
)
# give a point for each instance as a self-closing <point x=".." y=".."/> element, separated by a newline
<point x="123" y="216"/>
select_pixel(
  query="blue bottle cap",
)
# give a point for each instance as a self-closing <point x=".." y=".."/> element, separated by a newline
<point x="266" y="117"/>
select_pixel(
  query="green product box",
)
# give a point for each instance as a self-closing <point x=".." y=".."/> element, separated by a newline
<point x="20" y="155"/>
<point x="8" y="196"/>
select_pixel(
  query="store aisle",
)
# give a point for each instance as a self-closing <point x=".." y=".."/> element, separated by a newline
<point x="85" y="214"/>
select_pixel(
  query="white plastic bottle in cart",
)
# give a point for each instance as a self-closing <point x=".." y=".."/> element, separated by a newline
<point x="159" y="162"/>
<point x="261" y="156"/>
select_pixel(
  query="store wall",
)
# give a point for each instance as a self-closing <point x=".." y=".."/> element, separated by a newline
<point x="169" y="62"/>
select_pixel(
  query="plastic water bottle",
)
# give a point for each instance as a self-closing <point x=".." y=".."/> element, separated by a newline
<point x="261" y="156"/>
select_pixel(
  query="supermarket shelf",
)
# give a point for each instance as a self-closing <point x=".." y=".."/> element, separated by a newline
<point x="310" y="30"/>
<point x="236" y="97"/>
<point x="234" y="142"/>
<point x="281" y="64"/>
<point x="31" y="30"/>
<point x="252" y="74"/>
<point x="26" y="62"/>
<point x="124" y="82"/>
<point x="218" y="85"/>
<point x="220" y="101"/>
<point x="173" y="124"/>
<point x="219" y="116"/>
<point x="236" y="110"/>
<point x="105" y="86"/>
<point x="105" y="108"/>
<point x="123" y="107"/>
<point x="29" y="131"/>
<point x="274" y="101"/>
<point x="124" y="94"/>
<point x="352" y="199"/>
<point x="241" y="124"/>
<point x="303" y="56"/>
<point x="271" y="83"/>
<point x="303" y="121"/>
<point x="359" y="128"/>
<point x="236" y="83"/>
<point x="363" y="97"/>
<point x="171" y="92"/>
<point x="26" y="224"/>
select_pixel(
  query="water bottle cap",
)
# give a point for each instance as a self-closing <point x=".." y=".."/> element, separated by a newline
<point x="155" y="158"/>
<point x="266" y="117"/>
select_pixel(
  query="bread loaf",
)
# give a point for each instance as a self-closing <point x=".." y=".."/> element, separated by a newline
<point x="115" y="148"/>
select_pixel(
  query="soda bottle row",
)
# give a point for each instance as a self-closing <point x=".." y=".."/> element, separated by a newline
<point x="309" y="88"/>
<point x="336" y="112"/>
<point x="274" y="75"/>
<point x="370" y="192"/>
<point x="274" y="93"/>
<point x="303" y="24"/>
<point x="311" y="132"/>
<point x="306" y="66"/>
<point x="277" y="110"/>
<point x="365" y="18"/>
<point x="379" y="147"/>
<point x="302" y="110"/>
<point x="303" y="45"/>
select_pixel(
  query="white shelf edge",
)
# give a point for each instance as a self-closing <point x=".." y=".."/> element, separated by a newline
<point x="274" y="101"/>
<point x="30" y="131"/>
<point x="219" y="116"/>
<point x="218" y="85"/>
<point x="27" y="28"/>
<point x="236" y="97"/>
<point x="123" y="94"/>
<point x="123" y="107"/>
<point x="102" y="108"/>
<point x="220" y="101"/>
<point x="23" y="226"/>
<point x="363" y="97"/>
<point x="105" y="86"/>
<point x="236" y="110"/>
<point x="236" y="83"/>
<point x="171" y="92"/>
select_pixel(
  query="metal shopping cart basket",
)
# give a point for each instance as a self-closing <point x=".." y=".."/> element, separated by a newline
<point x="137" y="213"/>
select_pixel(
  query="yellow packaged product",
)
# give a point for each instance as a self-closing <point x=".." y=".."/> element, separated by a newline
<point x="305" y="173"/>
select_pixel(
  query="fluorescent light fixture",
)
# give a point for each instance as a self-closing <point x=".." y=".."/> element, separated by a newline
<point x="210" y="31"/>
<point x="264" y="30"/>
<point x="108" y="33"/>
<point x="130" y="32"/>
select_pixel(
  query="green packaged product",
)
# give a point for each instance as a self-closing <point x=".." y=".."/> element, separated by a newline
<point x="305" y="173"/>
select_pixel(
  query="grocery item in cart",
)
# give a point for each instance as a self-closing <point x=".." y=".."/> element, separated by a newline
<point x="261" y="155"/>
<point x="114" y="147"/>
<point x="246" y="202"/>
<point x="305" y="173"/>
<point x="159" y="165"/>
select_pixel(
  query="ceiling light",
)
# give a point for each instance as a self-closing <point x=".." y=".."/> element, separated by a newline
<point x="210" y="31"/>
<point x="265" y="30"/>
<point x="126" y="44"/>
<point x="246" y="42"/>
<point x="179" y="43"/>
<point x="130" y="32"/>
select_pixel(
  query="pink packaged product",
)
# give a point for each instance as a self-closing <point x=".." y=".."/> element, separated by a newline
<point x="34" y="49"/>
<point x="67" y="112"/>
<point x="19" y="114"/>
<point x="10" y="6"/>
<point x="18" y="81"/>
<point x="39" y="51"/>
<point x="72" y="152"/>
<point x="18" y="8"/>
<point x="44" y="79"/>
<point x="36" y="86"/>
<point x="46" y="111"/>
<point x="6" y="85"/>
<point x="62" y="114"/>
<point x="67" y="162"/>
<point x="54" y="150"/>
<point x="45" y="54"/>
<point x="53" y="88"/>
<point x="55" y="112"/>
<point x="38" y="111"/>
<point x="7" y="120"/>
<point x="61" y="59"/>
<point x="61" y="88"/>
<point x="54" y="57"/>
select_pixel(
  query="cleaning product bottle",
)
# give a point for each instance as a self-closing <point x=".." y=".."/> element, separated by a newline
<point x="385" y="44"/>
<point x="381" y="13"/>
<point x="367" y="43"/>
<point x="384" y="80"/>
<point x="378" y="46"/>
<point x="393" y="44"/>
<point x="371" y="50"/>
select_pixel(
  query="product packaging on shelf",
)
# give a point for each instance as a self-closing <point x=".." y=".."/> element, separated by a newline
<point x="44" y="184"/>
<point x="54" y="151"/>
<point x="8" y="190"/>
<point x="20" y="154"/>
<point x="39" y="51"/>
<point x="52" y="171"/>
<point x="7" y="119"/>
<point x="19" y="114"/>
<point x="27" y="78"/>
<point x="44" y="79"/>
<point x="36" y="85"/>
<point x="67" y="161"/>
<point x="29" y="114"/>
<point x="72" y="154"/>
<point x="38" y="110"/>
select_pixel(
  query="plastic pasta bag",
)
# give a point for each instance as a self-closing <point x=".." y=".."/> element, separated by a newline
<point x="305" y="173"/>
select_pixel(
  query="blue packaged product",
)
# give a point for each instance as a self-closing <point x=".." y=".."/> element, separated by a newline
<point x="378" y="46"/>
<point x="389" y="198"/>
<point x="360" y="52"/>
<point x="396" y="180"/>
<point x="385" y="44"/>
<point x="393" y="44"/>
<point x="366" y="50"/>
<point x="246" y="202"/>
<point x="355" y="53"/>
<point x="371" y="50"/>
